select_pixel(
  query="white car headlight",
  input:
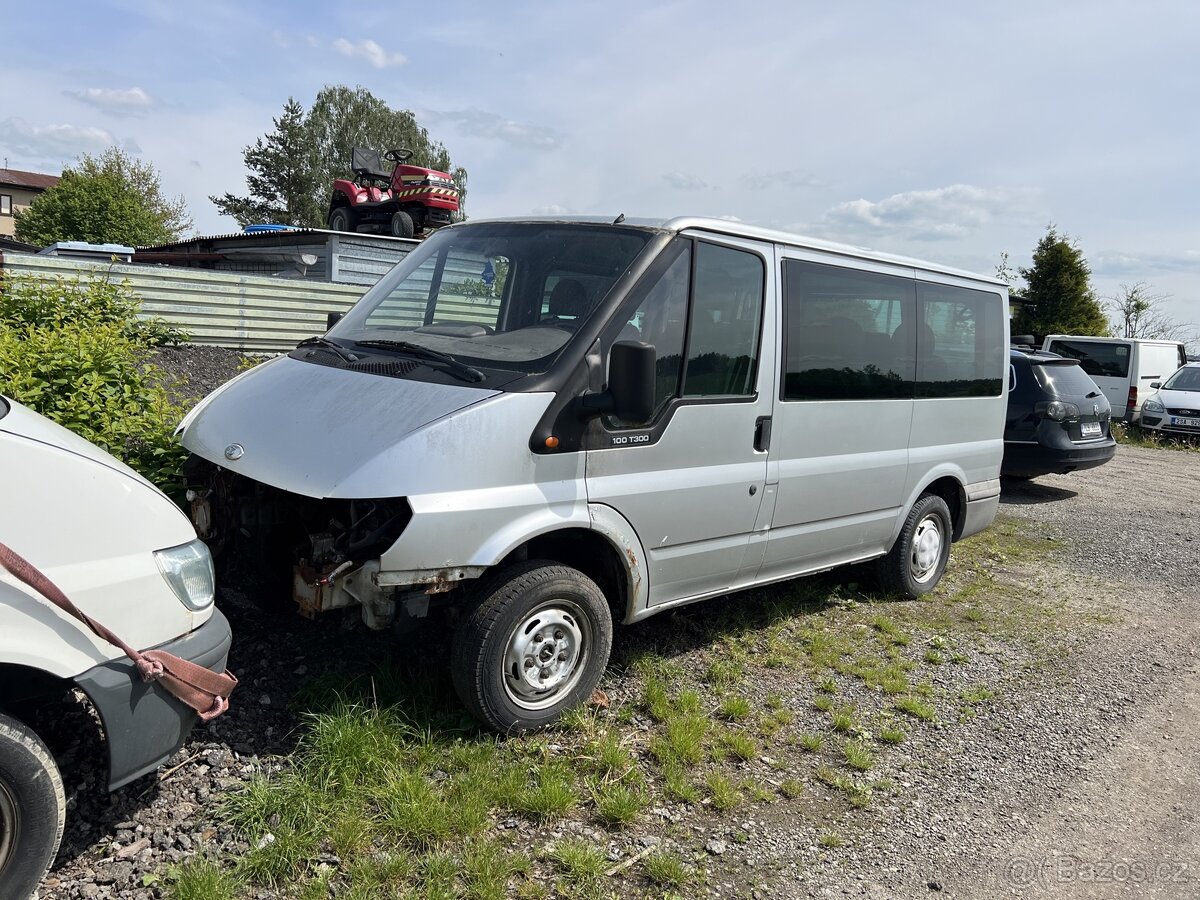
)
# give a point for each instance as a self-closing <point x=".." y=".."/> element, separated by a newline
<point x="188" y="569"/>
<point x="1153" y="405"/>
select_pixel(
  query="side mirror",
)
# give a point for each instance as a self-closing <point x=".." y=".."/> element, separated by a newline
<point x="1156" y="384"/>
<point x="332" y="319"/>
<point x="631" y="380"/>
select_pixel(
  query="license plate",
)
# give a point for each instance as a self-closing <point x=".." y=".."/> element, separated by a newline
<point x="1089" y="428"/>
<point x="1186" y="423"/>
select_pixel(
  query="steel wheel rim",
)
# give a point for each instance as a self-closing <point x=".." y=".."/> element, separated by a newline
<point x="546" y="653"/>
<point x="926" y="549"/>
<point x="9" y="825"/>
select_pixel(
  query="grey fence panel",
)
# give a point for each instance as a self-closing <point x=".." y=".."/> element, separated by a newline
<point x="364" y="261"/>
<point x="241" y="312"/>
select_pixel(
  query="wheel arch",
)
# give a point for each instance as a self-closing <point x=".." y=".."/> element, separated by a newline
<point x="24" y="683"/>
<point x="950" y="489"/>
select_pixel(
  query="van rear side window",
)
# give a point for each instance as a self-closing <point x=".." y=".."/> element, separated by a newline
<point x="960" y="349"/>
<point x="1096" y="357"/>
<point x="850" y="335"/>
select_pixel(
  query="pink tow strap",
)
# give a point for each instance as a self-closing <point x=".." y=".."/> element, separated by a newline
<point x="202" y="689"/>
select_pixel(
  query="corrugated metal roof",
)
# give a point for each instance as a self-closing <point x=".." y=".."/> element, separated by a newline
<point x="34" y="181"/>
<point x="269" y="237"/>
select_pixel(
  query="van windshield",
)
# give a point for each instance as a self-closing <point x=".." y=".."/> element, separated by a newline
<point x="502" y="295"/>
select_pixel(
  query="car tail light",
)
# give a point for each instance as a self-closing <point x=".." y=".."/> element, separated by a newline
<point x="1132" y="400"/>
<point x="1057" y="410"/>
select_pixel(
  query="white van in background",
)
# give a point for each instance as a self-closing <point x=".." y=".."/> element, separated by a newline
<point x="1121" y="367"/>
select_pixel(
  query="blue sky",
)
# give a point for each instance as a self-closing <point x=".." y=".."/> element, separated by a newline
<point x="933" y="129"/>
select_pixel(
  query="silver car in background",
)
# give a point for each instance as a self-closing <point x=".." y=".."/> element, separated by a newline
<point x="1174" y="408"/>
<point x="558" y="424"/>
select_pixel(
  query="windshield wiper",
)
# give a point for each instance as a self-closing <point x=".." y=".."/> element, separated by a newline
<point x="332" y="346"/>
<point x="461" y="369"/>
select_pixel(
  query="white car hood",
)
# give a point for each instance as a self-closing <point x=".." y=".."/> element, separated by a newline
<point x="1179" y="399"/>
<point x="308" y="428"/>
<point x="25" y="423"/>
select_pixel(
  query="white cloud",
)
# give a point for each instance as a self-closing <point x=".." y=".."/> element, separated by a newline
<point x="1115" y="264"/>
<point x="131" y="102"/>
<point x="780" y="180"/>
<point x="52" y="143"/>
<point x="370" y="51"/>
<point x="552" y="209"/>
<point x="685" y="182"/>
<point x="946" y="213"/>
<point x="478" y="123"/>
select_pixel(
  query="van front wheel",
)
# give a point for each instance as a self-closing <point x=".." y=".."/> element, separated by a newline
<point x="916" y="561"/>
<point x="533" y="646"/>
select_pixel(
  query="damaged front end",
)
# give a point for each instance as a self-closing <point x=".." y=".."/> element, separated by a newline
<point x="322" y="553"/>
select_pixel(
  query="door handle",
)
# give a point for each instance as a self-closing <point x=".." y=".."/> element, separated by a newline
<point x="762" y="434"/>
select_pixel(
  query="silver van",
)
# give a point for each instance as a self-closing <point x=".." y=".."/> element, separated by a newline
<point x="557" y="424"/>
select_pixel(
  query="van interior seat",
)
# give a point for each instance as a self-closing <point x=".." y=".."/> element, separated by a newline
<point x="568" y="302"/>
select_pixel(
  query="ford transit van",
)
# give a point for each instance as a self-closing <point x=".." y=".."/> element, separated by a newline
<point x="126" y="556"/>
<point x="561" y="424"/>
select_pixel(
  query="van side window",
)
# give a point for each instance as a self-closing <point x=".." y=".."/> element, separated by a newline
<point x="849" y="335"/>
<point x="960" y="347"/>
<point x="727" y="299"/>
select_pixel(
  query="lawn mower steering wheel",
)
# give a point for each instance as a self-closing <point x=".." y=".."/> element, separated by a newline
<point x="398" y="155"/>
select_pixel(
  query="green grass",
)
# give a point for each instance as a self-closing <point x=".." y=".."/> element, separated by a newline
<point x="979" y="693"/>
<point x="666" y="870"/>
<point x="550" y="795"/>
<point x="915" y="707"/>
<point x="844" y="720"/>
<point x="792" y="788"/>
<point x="682" y="741"/>
<point x="579" y="860"/>
<point x="201" y="879"/>
<point x="891" y="734"/>
<point x="735" y="709"/>
<point x="830" y="839"/>
<point x="724" y="793"/>
<point x="858" y="755"/>
<point x="679" y="785"/>
<point x="618" y="805"/>
<point x="811" y="743"/>
<point x="740" y="744"/>
<point x="823" y="702"/>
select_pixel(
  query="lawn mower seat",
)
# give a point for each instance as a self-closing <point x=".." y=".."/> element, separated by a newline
<point x="368" y="165"/>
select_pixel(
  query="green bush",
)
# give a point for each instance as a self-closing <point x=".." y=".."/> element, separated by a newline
<point x="75" y="351"/>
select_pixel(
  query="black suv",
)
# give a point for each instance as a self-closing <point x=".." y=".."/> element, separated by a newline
<point x="1058" y="420"/>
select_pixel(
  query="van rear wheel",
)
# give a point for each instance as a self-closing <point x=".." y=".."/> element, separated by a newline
<point x="916" y="561"/>
<point x="33" y="809"/>
<point x="534" y="645"/>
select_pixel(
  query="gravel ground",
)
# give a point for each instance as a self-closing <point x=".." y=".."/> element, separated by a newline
<point x="1082" y="779"/>
<point x="1052" y="770"/>
<point x="197" y="370"/>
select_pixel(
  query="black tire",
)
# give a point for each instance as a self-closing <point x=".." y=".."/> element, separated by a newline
<point x="402" y="224"/>
<point x="341" y="219"/>
<point x="914" y="566"/>
<point x="566" y="623"/>
<point x="33" y="810"/>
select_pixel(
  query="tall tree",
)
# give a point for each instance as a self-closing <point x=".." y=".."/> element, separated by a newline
<point x="280" y="177"/>
<point x="110" y="198"/>
<point x="1058" y="294"/>
<point x="292" y="169"/>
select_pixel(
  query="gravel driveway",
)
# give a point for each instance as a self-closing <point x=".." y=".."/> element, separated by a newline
<point x="1079" y="779"/>
<point x="1084" y="778"/>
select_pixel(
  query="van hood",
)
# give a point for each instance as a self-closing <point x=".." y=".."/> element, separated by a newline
<point x="24" y="422"/>
<point x="308" y="428"/>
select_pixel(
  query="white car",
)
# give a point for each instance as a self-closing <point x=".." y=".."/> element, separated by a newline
<point x="126" y="556"/>
<point x="1175" y="407"/>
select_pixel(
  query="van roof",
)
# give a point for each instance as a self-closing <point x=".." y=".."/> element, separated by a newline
<point x="1123" y="340"/>
<point x="740" y="229"/>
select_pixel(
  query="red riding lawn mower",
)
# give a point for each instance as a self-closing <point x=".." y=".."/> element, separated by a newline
<point x="408" y="201"/>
